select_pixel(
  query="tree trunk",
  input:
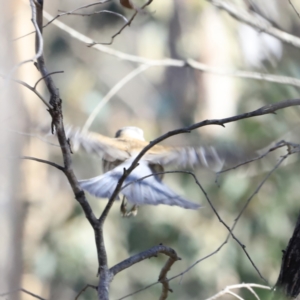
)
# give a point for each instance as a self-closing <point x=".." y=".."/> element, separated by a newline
<point x="288" y="284"/>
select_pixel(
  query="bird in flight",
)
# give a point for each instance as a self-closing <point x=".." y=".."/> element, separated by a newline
<point x="119" y="152"/>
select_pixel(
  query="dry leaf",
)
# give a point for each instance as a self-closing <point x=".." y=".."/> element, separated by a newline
<point x="127" y="4"/>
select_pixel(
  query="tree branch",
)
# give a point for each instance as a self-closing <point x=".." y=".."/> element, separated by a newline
<point x="24" y="291"/>
<point x="30" y="88"/>
<point x="248" y="286"/>
<point x="55" y="111"/>
<point x="168" y="62"/>
<point x="84" y="289"/>
<point x="255" y="22"/>
<point x="152" y="252"/>
<point x="127" y="24"/>
<point x="44" y="162"/>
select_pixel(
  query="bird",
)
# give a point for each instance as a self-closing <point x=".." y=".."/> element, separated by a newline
<point x="143" y="185"/>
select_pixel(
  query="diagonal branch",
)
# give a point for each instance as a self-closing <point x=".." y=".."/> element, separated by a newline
<point x="169" y="62"/>
<point x="30" y="88"/>
<point x="111" y="93"/>
<point x="50" y="163"/>
<point x="127" y="24"/>
<point x="152" y="252"/>
<point x="248" y="286"/>
<point x="292" y="148"/>
<point x="267" y="109"/>
<point x="294" y="8"/>
<point x="255" y="22"/>
<point x="24" y="291"/>
<point x="54" y="72"/>
<point x="84" y="289"/>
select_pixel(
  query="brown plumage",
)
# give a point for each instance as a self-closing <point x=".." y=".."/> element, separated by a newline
<point x="118" y="153"/>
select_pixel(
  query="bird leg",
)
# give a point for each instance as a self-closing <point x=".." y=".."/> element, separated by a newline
<point x="123" y="207"/>
<point x="124" y="212"/>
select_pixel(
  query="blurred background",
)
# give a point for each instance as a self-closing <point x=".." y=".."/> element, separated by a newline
<point x="56" y="254"/>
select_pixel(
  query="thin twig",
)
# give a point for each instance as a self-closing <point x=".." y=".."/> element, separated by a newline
<point x="278" y="145"/>
<point x="268" y="109"/>
<point x="72" y="13"/>
<point x="51" y="73"/>
<point x="50" y="163"/>
<point x="294" y="8"/>
<point x="54" y="18"/>
<point x="239" y="286"/>
<point x="168" y="62"/>
<point x="111" y="93"/>
<point x="96" y="13"/>
<point x="35" y="136"/>
<point x="91" y="4"/>
<point x="255" y="22"/>
<point x="39" y="50"/>
<point x="84" y="289"/>
<point x="230" y="230"/>
<point x="258" y="189"/>
<point x="57" y="122"/>
<point x="30" y="88"/>
<point x="152" y="252"/>
<point x="127" y="24"/>
<point x="24" y="291"/>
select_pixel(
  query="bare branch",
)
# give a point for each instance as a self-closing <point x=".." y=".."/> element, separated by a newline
<point x="291" y="151"/>
<point x="33" y="89"/>
<point x="248" y="286"/>
<point x="91" y="4"/>
<point x="51" y="73"/>
<point x="152" y="252"/>
<point x="275" y="147"/>
<point x="244" y="74"/>
<point x="35" y="136"/>
<point x="271" y="108"/>
<point x="39" y="50"/>
<point x="24" y="291"/>
<point x="255" y="22"/>
<point x="168" y="62"/>
<point x="258" y="189"/>
<point x="57" y="121"/>
<point x="84" y="289"/>
<point x="127" y="24"/>
<point x="164" y="280"/>
<point x="30" y="88"/>
<point x="50" y="163"/>
<point x="178" y="275"/>
<point x="96" y="13"/>
<point x="59" y="15"/>
<point x="56" y="113"/>
<point x="73" y="13"/>
<point x="111" y="93"/>
<point x="267" y="109"/>
<point x="294" y="8"/>
<point x="230" y="230"/>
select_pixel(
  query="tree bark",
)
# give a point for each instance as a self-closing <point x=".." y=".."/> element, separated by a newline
<point x="288" y="283"/>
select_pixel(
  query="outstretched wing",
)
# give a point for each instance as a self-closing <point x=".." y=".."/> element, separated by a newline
<point x="186" y="156"/>
<point x="119" y="149"/>
<point x="137" y="189"/>
<point x="110" y="148"/>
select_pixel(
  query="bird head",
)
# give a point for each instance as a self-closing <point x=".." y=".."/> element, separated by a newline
<point x="130" y="132"/>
